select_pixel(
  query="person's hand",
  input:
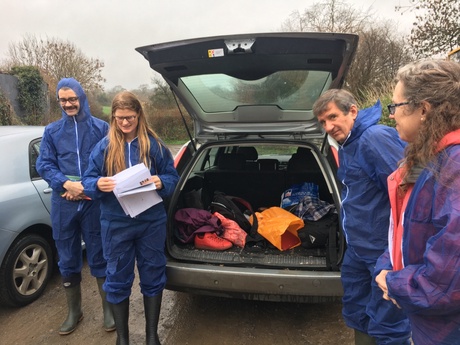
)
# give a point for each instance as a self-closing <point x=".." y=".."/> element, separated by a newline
<point x="381" y="281"/>
<point x="394" y="302"/>
<point x="106" y="184"/>
<point x="154" y="179"/>
<point x="74" y="190"/>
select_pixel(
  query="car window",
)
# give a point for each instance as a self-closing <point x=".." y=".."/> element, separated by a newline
<point x="267" y="151"/>
<point x="208" y="159"/>
<point x="288" y="90"/>
<point x="34" y="150"/>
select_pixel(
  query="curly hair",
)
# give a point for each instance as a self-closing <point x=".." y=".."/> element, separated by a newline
<point x="115" y="152"/>
<point x="436" y="82"/>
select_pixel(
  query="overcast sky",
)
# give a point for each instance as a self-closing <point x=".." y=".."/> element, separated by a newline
<point x="110" y="30"/>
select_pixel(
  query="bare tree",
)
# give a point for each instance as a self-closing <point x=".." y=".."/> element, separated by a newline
<point x="380" y="54"/>
<point x="56" y="59"/>
<point x="381" y="51"/>
<point x="328" y="16"/>
<point x="437" y="27"/>
<point x="143" y="92"/>
<point x="162" y="96"/>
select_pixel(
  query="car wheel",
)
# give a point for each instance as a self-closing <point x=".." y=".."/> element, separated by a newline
<point x="26" y="270"/>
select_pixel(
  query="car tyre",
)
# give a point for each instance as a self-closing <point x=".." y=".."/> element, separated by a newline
<point x="26" y="270"/>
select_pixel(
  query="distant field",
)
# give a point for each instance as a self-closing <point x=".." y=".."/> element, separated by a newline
<point x="106" y="109"/>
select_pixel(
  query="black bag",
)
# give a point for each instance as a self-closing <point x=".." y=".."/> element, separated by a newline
<point x="316" y="233"/>
<point x="233" y="208"/>
<point x="192" y="193"/>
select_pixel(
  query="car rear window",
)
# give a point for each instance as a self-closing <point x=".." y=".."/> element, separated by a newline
<point x="288" y="90"/>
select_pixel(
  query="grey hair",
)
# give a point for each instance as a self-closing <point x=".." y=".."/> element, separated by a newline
<point x="343" y="100"/>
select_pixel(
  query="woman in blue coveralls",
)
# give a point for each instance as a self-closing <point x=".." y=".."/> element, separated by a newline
<point x="131" y="141"/>
<point x="420" y="271"/>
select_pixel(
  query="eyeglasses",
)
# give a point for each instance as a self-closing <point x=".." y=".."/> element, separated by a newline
<point x="71" y="100"/>
<point x="392" y="107"/>
<point x="120" y="119"/>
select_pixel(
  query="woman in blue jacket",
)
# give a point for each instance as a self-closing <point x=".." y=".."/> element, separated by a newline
<point x="126" y="240"/>
<point x="422" y="276"/>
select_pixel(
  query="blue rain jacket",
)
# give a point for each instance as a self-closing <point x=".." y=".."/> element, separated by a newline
<point x="127" y="240"/>
<point x="67" y="143"/>
<point x="162" y="165"/>
<point x="367" y="157"/>
<point x="428" y="288"/>
<point x="65" y="149"/>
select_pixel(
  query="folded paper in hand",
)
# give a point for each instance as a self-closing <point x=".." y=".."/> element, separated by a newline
<point x="133" y="196"/>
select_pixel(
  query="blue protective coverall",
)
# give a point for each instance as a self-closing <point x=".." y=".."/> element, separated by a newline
<point x="369" y="154"/>
<point x="428" y="287"/>
<point x="64" y="151"/>
<point x="127" y="239"/>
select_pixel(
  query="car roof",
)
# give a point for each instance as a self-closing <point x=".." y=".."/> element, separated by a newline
<point x="28" y="131"/>
<point x="253" y="84"/>
<point x="14" y="149"/>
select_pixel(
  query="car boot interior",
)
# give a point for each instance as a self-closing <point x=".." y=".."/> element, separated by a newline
<point x="259" y="174"/>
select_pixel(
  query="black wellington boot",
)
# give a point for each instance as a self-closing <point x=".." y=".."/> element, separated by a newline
<point x="109" y="322"/>
<point x="74" y="315"/>
<point x="121" y="316"/>
<point x="152" y="307"/>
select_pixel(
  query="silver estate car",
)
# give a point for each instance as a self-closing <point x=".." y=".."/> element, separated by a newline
<point x="255" y="136"/>
<point x="26" y="246"/>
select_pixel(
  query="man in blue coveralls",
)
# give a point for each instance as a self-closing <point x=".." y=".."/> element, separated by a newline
<point x="368" y="153"/>
<point x="64" y="153"/>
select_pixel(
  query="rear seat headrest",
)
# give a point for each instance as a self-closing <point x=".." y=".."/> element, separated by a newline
<point x="302" y="160"/>
<point x="249" y="152"/>
<point x="268" y="164"/>
<point x="303" y="151"/>
<point x="231" y="161"/>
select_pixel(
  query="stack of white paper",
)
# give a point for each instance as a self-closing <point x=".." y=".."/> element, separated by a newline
<point x="134" y="197"/>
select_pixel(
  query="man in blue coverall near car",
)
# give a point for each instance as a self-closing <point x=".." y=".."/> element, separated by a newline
<point x="368" y="153"/>
<point x="64" y="154"/>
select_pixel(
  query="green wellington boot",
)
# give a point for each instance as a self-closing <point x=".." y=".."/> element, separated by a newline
<point x="75" y="315"/>
<point x="109" y="322"/>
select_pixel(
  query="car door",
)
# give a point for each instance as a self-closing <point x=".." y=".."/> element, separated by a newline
<point x="43" y="190"/>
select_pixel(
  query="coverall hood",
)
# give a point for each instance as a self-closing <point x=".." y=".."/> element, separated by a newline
<point x="73" y="84"/>
<point x="366" y="117"/>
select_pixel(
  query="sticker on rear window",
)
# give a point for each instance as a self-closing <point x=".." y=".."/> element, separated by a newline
<point x="215" y="52"/>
